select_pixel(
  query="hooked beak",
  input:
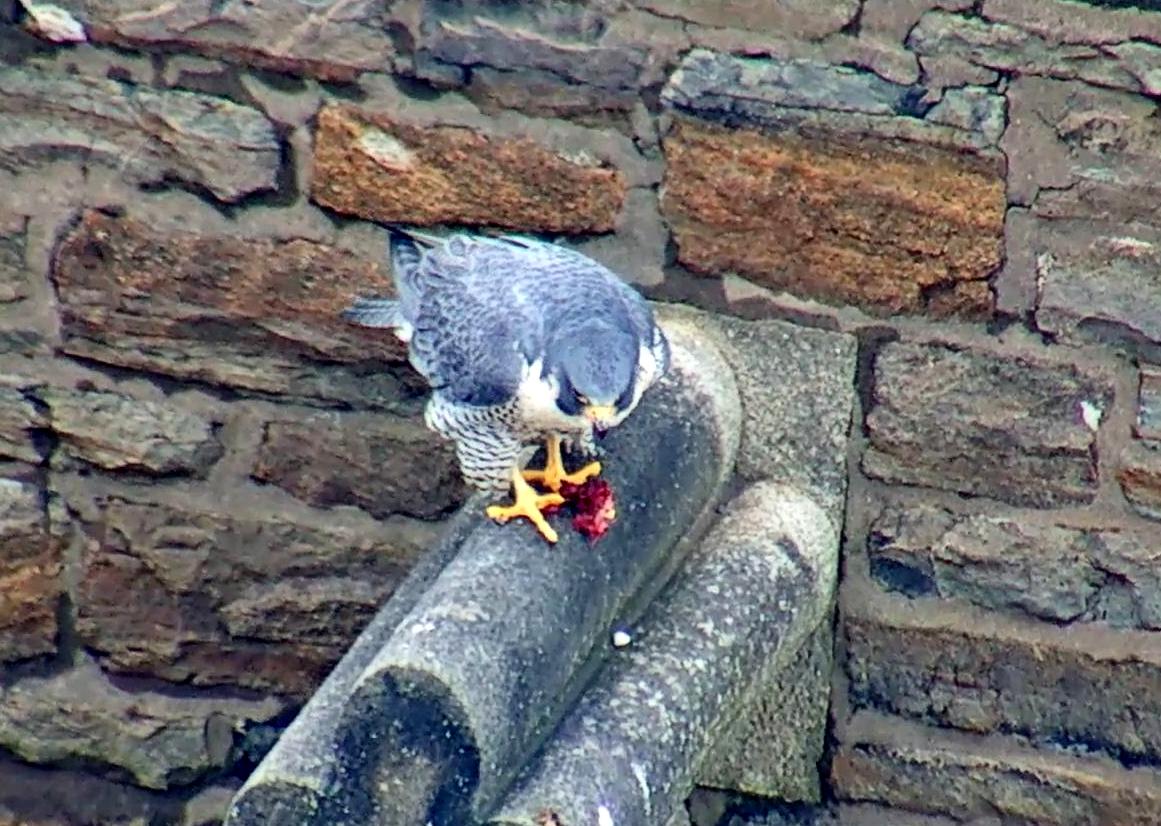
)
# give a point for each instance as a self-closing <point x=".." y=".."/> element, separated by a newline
<point x="600" y="415"/>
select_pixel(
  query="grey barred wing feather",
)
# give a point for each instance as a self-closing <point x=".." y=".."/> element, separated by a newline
<point x="465" y="348"/>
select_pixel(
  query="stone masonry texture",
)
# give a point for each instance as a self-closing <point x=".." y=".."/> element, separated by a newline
<point x="209" y="482"/>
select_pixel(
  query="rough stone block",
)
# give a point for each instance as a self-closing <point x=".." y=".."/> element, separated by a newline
<point x="1149" y="405"/>
<point x="30" y="568"/>
<point x="32" y="795"/>
<point x="710" y="82"/>
<point x="954" y="666"/>
<point x="793" y="18"/>
<point x="815" y="95"/>
<point x="329" y="39"/>
<point x="578" y="45"/>
<point x="14" y="281"/>
<point x="895" y="18"/>
<point x="1099" y="283"/>
<point x="544" y="94"/>
<point x="192" y="594"/>
<point x="1012" y="48"/>
<point x="1016" y="564"/>
<point x="383" y="464"/>
<point x="972" y="780"/>
<point x="822" y="217"/>
<point x="24" y="421"/>
<point x="1076" y="151"/>
<point x="118" y="432"/>
<point x="1087" y="21"/>
<point x="1140" y="477"/>
<point x="109" y="430"/>
<point x="372" y="166"/>
<point x="160" y="741"/>
<point x="1007" y="427"/>
<point x="256" y="315"/>
<point x="146" y="135"/>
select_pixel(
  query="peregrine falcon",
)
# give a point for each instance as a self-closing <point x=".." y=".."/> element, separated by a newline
<point x="522" y="342"/>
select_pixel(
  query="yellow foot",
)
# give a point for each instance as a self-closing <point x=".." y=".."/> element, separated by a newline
<point x="553" y="475"/>
<point x="528" y="504"/>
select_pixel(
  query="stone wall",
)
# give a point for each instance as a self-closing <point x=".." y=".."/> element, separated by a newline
<point x="209" y="482"/>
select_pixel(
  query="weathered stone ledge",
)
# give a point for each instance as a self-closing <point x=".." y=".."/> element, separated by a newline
<point x="758" y="584"/>
<point x="494" y="639"/>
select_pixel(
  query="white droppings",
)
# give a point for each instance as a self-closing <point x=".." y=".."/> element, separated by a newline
<point x="386" y="150"/>
<point x="1130" y="247"/>
<point x="621" y="638"/>
<point x="1091" y="414"/>
<point x="604" y="816"/>
<point x="53" y="23"/>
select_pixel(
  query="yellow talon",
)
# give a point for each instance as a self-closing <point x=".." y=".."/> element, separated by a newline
<point x="528" y="503"/>
<point x="553" y="475"/>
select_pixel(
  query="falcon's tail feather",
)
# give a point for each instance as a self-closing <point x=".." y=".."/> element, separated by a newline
<point x="406" y="250"/>
<point x="374" y="312"/>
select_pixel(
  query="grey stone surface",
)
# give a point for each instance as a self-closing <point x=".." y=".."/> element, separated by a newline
<point x="302" y="769"/>
<point x="1011" y="48"/>
<point x="797" y="387"/>
<point x="885" y="58"/>
<point x="332" y="39"/>
<point x="973" y="422"/>
<point x="707" y="81"/>
<point x="147" y="136"/>
<point x="974" y="109"/>
<point x="14" y="280"/>
<point x="778" y="814"/>
<point x="109" y="430"/>
<point x="1100" y="284"/>
<point x="480" y="41"/>
<point x="810" y="94"/>
<point x="328" y="459"/>
<point x="948" y="71"/>
<point x="774" y="748"/>
<point x="1089" y="21"/>
<point x="1016" y="285"/>
<point x="1075" y="151"/>
<point x="118" y="432"/>
<point x="762" y="580"/>
<point x="1140" y="477"/>
<point x="23" y="421"/>
<point x="208" y="587"/>
<point x="31" y="794"/>
<point x="1014" y="564"/>
<point x="161" y="741"/>
<point x="895" y="18"/>
<point x="32" y="537"/>
<point x="490" y="654"/>
<point x="793" y="18"/>
<point x="1149" y="404"/>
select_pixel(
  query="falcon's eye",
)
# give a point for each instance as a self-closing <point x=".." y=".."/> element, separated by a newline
<point x="581" y="398"/>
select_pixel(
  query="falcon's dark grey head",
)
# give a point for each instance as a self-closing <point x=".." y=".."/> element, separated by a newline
<point x="595" y="366"/>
